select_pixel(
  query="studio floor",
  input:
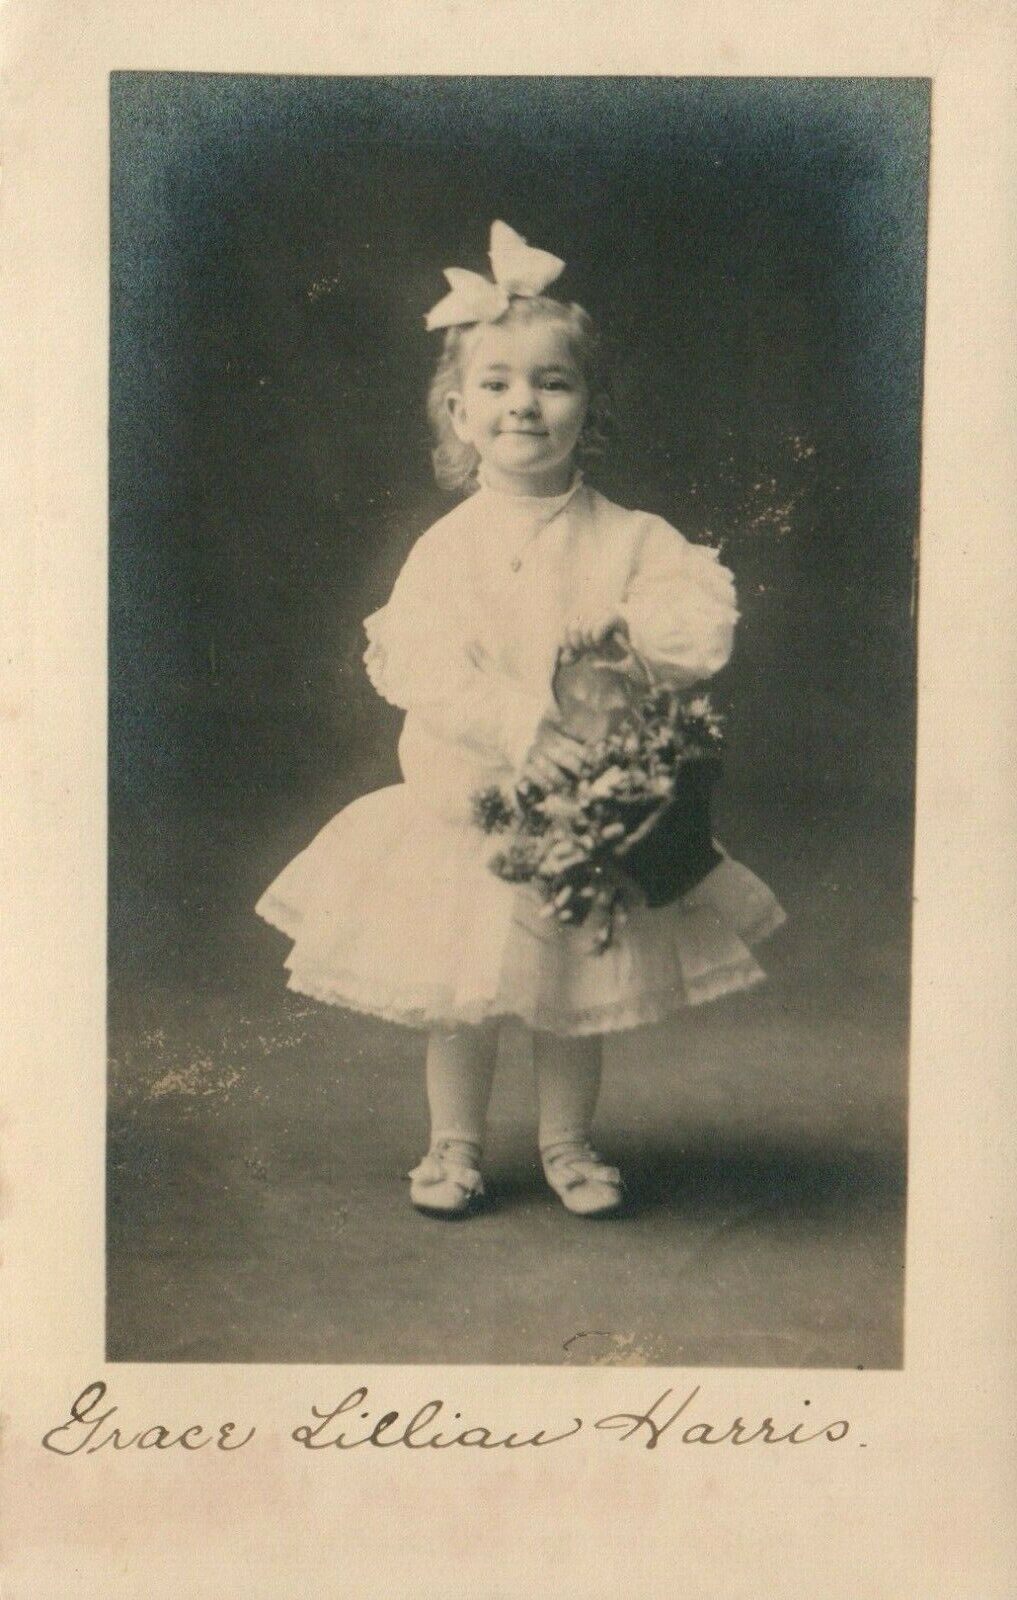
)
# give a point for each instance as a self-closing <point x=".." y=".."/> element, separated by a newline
<point x="258" y="1209"/>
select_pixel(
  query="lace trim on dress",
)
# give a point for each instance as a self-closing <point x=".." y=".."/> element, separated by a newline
<point x="376" y="655"/>
<point x="431" y="1009"/>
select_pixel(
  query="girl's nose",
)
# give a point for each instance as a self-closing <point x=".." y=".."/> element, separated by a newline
<point x="522" y="401"/>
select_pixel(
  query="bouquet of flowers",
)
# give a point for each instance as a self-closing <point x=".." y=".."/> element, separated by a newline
<point x="633" y="823"/>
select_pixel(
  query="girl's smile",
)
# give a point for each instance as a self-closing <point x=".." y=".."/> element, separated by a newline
<point x="522" y="406"/>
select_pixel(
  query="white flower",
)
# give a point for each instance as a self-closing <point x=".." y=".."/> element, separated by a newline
<point x="607" y="783"/>
<point x="559" y="858"/>
<point x="558" y="806"/>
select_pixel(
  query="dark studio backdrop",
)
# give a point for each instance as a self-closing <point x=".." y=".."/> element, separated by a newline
<point x="754" y="251"/>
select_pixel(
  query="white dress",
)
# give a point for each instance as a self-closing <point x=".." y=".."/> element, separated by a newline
<point x="392" y="908"/>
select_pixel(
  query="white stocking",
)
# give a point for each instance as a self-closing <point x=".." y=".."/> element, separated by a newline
<point x="460" y="1071"/>
<point x="568" y="1083"/>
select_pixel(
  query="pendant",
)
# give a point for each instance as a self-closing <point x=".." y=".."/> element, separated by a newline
<point x="515" y="563"/>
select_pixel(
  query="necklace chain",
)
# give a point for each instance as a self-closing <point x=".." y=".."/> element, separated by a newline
<point x="561" y="501"/>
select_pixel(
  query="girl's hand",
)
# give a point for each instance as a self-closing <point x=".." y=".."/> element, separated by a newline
<point x="586" y="633"/>
<point x="553" y="757"/>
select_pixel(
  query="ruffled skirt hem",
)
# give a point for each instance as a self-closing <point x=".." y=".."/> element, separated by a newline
<point x="400" y="918"/>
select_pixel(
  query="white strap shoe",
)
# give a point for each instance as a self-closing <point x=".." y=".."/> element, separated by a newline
<point x="584" y="1183"/>
<point x="443" y="1185"/>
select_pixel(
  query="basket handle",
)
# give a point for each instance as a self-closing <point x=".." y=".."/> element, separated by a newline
<point x="630" y="657"/>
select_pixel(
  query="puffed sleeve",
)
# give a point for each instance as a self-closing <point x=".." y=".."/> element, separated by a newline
<point x="419" y="658"/>
<point x="680" y="607"/>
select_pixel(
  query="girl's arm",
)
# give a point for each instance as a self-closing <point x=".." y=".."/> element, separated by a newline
<point x="417" y="658"/>
<point x="679" y="607"/>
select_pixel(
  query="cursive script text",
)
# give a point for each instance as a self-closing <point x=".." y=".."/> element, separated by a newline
<point x="417" y="1433"/>
<point x="87" y="1429"/>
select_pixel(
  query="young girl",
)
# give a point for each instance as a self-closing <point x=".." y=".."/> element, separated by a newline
<point x="393" y="908"/>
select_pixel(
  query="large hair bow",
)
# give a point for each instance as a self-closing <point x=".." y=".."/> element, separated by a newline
<point x="517" y="269"/>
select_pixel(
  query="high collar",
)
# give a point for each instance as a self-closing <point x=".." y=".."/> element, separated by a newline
<point x="528" y="507"/>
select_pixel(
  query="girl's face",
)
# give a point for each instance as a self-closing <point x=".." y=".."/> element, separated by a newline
<point x="522" y="405"/>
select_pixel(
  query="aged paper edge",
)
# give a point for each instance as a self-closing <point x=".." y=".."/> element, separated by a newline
<point x="921" y="1511"/>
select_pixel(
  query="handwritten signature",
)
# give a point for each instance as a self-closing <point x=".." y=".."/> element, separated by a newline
<point x="352" y="1424"/>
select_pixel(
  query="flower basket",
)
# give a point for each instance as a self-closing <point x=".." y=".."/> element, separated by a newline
<point x="633" y="824"/>
<point x="673" y="849"/>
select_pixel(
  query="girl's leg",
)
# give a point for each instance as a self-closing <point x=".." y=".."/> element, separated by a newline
<point x="460" y="1072"/>
<point x="460" y="1068"/>
<point x="568" y="1082"/>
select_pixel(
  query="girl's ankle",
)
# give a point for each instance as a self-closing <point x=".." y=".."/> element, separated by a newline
<point x="567" y="1149"/>
<point x="460" y="1148"/>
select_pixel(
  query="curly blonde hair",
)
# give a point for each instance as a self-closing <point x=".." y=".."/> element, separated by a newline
<point x="455" y="463"/>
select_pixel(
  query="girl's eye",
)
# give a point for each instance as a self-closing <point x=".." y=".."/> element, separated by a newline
<point x="557" y="383"/>
<point x="492" y="383"/>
